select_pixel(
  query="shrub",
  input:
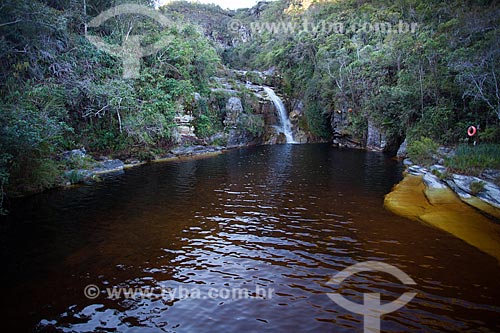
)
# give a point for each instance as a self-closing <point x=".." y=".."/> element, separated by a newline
<point x="477" y="187"/>
<point x="204" y="126"/>
<point x="317" y="120"/>
<point x="253" y="124"/>
<point x="441" y="175"/>
<point x="422" y="151"/>
<point x="490" y="134"/>
<point x="78" y="162"/>
<point x="75" y="176"/>
<point x="437" y="123"/>
<point x="42" y="174"/>
<point x="209" y="121"/>
<point x="33" y="131"/>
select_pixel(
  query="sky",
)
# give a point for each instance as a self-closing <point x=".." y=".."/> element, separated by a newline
<point x="231" y="4"/>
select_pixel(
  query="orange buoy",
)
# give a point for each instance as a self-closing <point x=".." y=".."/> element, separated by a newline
<point x="472" y="131"/>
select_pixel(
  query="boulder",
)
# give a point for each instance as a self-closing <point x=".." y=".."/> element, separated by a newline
<point x="433" y="182"/>
<point x="490" y="194"/>
<point x="109" y="166"/>
<point x="491" y="175"/>
<point x="461" y="193"/>
<point x="184" y="119"/>
<point x="408" y="162"/>
<point x="74" y="154"/>
<point x="194" y="150"/>
<point x="184" y="131"/>
<point x="439" y="168"/>
<point x="403" y="150"/>
<point x="234" y="108"/>
<point x="238" y="138"/>
<point x="417" y="170"/>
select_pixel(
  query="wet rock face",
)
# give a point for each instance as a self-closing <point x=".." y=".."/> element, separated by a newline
<point x="342" y="137"/>
<point x="184" y="131"/>
<point x="376" y="140"/>
<point x="339" y="122"/>
<point x="238" y="138"/>
<point x="281" y="139"/>
<point x="297" y="116"/>
<point x="403" y="150"/>
<point x="234" y="109"/>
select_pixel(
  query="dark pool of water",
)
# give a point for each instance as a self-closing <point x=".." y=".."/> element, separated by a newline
<point x="285" y="218"/>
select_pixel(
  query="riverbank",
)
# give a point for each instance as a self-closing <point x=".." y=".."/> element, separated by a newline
<point x="109" y="167"/>
<point x="465" y="206"/>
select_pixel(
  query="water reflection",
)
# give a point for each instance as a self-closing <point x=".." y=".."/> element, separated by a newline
<point x="283" y="217"/>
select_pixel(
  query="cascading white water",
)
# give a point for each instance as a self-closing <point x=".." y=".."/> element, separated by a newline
<point x="286" y="125"/>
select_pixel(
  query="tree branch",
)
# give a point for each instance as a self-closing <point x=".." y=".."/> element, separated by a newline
<point x="9" y="23"/>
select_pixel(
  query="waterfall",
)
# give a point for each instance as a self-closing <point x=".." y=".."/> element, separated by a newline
<point x="286" y="125"/>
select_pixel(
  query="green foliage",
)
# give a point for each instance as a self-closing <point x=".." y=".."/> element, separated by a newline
<point x="103" y="136"/>
<point x="251" y="123"/>
<point x="490" y="134"/>
<point x="316" y="120"/>
<point x="78" y="162"/>
<point x="477" y="187"/>
<point x="438" y="123"/>
<point x="75" y="177"/>
<point x="33" y="130"/>
<point x="58" y="91"/>
<point x="4" y="180"/>
<point x="358" y="125"/>
<point x="208" y="121"/>
<point x="204" y="126"/>
<point x="42" y="174"/>
<point x="422" y="151"/>
<point x="474" y="159"/>
<point x="431" y="82"/>
<point x="441" y="175"/>
<point x="254" y="78"/>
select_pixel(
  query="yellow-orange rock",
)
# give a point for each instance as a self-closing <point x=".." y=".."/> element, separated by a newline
<point x="441" y="208"/>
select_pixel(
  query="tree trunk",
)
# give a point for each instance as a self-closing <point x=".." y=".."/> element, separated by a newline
<point x="85" y="16"/>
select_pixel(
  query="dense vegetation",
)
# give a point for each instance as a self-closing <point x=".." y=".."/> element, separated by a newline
<point x="59" y="92"/>
<point x="434" y="82"/>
